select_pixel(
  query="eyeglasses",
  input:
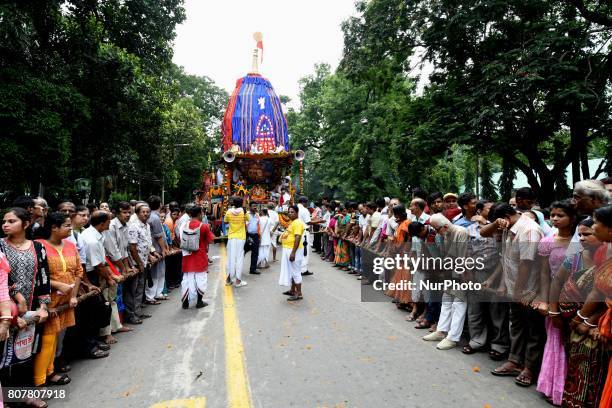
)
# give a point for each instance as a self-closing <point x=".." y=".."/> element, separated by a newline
<point x="579" y="197"/>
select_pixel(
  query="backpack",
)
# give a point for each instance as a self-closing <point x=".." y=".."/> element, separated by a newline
<point x="190" y="238"/>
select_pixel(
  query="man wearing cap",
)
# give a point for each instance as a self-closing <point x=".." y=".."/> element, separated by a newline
<point x="451" y="209"/>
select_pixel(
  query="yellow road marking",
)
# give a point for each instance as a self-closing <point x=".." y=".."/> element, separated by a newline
<point x="238" y="394"/>
<point x="199" y="402"/>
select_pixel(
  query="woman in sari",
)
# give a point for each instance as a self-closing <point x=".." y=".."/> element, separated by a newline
<point x="342" y="248"/>
<point x="594" y="320"/>
<point x="331" y="232"/>
<point x="29" y="289"/>
<point x="65" y="272"/>
<point x="401" y="240"/>
<point x="569" y="288"/>
<point x="552" y="250"/>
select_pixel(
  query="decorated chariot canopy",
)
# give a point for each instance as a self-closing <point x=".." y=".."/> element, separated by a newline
<point x="256" y="161"/>
<point x="254" y="121"/>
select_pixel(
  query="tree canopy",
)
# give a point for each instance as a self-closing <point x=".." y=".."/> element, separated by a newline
<point x="515" y="85"/>
<point x="88" y="91"/>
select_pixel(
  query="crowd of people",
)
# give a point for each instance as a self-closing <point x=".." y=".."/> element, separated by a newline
<point x="544" y="307"/>
<point x="73" y="277"/>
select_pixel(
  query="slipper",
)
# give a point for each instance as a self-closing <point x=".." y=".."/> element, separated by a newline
<point x="524" y="380"/>
<point x="506" y="373"/>
<point x="496" y="355"/>
<point x="288" y="293"/>
<point x="63" y="379"/>
<point x="470" y="350"/>
<point x="423" y="325"/>
<point x="98" y="353"/>
<point x="294" y="298"/>
<point x="152" y="302"/>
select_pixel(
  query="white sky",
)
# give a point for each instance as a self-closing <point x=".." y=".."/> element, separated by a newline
<point x="216" y="39"/>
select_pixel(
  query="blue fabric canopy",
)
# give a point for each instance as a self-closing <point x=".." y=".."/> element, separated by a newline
<point x="254" y="114"/>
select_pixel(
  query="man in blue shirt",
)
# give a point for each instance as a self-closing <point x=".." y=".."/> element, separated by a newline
<point x="253" y="237"/>
<point x="467" y="202"/>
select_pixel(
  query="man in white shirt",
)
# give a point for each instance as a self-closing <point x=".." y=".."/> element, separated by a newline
<point x="417" y="210"/>
<point x="100" y="275"/>
<point x="304" y="216"/>
<point x="274" y="223"/>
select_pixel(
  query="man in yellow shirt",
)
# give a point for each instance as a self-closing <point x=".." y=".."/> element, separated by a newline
<point x="293" y="254"/>
<point x="237" y="219"/>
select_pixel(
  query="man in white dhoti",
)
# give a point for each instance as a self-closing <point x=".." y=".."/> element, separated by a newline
<point x="195" y="264"/>
<point x="236" y="218"/>
<point x="292" y="256"/>
<point x="304" y="216"/>
<point x="265" y="240"/>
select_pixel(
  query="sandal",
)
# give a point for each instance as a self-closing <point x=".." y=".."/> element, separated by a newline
<point x="423" y="325"/>
<point x="62" y="380"/>
<point x="288" y="293"/>
<point x="152" y="302"/>
<point x="97" y="353"/>
<point x="470" y="350"/>
<point x="524" y="379"/>
<point x="504" y="372"/>
<point x="496" y="355"/>
<point x="294" y="298"/>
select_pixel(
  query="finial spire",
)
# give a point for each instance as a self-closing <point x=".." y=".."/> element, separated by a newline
<point x="257" y="54"/>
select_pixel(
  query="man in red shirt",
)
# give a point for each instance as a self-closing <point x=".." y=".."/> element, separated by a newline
<point x="195" y="264"/>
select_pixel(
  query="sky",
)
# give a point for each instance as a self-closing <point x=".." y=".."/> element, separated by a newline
<point x="216" y="40"/>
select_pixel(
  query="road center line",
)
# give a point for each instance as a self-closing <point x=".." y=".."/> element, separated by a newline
<point x="237" y="383"/>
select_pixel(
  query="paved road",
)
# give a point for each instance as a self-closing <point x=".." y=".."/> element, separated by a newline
<point x="330" y="350"/>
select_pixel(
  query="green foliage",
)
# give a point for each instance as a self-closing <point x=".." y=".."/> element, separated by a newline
<point x="523" y="81"/>
<point x="486" y="182"/>
<point x="88" y="90"/>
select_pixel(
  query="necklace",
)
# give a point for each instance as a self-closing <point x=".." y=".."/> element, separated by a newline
<point x="21" y="245"/>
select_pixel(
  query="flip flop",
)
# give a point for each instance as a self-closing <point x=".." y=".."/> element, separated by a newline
<point x="294" y="298"/>
<point x="506" y="373"/>
<point x="470" y="350"/>
<point x="522" y="382"/>
<point x="423" y="325"/>
<point x="63" y="379"/>
<point x="496" y="355"/>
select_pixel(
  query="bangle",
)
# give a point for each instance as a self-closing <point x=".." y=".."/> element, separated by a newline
<point x="589" y="324"/>
<point x="550" y="312"/>
<point x="6" y="317"/>
<point x="581" y="316"/>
